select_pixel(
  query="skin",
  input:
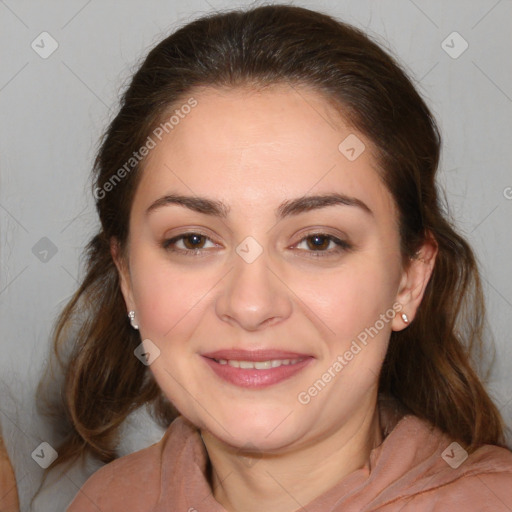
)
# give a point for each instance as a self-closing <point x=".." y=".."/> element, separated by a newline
<point x="8" y="493"/>
<point x="253" y="150"/>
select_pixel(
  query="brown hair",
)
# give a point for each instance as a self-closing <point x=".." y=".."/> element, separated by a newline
<point x="428" y="365"/>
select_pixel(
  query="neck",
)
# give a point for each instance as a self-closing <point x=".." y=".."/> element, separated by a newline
<point x="289" y="481"/>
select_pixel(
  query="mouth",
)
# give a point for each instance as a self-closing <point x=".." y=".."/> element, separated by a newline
<point x="256" y="369"/>
<point x="259" y="365"/>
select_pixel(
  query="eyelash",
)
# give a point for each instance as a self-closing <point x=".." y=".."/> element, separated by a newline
<point x="342" y="245"/>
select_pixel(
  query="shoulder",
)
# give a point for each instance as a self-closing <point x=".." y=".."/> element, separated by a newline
<point x="434" y="473"/>
<point x="107" y="488"/>
<point x="134" y="482"/>
<point x="480" y="481"/>
<point x="487" y="471"/>
<point x="131" y="482"/>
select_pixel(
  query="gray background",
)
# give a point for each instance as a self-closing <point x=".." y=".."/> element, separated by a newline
<point x="55" y="109"/>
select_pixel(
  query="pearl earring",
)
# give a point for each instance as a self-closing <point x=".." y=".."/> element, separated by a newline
<point x="131" y="316"/>
<point x="405" y="318"/>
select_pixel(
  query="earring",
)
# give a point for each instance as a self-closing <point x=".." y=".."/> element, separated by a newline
<point x="131" y="316"/>
<point x="404" y="318"/>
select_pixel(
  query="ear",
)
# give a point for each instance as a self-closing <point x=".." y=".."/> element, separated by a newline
<point x="124" y="273"/>
<point x="414" y="282"/>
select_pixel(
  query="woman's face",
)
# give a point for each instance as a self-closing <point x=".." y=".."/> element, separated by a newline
<point x="271" y="307"/>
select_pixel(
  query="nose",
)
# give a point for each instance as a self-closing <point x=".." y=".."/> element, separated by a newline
<point x="253" y="295"/>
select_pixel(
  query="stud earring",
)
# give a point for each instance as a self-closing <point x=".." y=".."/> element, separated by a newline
<point x="405" y="318"/>
<point x="131" y="316"/>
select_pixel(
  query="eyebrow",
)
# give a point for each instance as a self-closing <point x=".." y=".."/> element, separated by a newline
<point x="287" y="208"/>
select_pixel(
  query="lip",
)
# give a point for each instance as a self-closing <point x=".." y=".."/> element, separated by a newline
<point x="253" y="355"/>
<point x="250" y="377"/>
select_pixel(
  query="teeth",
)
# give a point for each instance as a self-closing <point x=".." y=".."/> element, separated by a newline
<point x="262" y="365"/>
<point x="259" y="365"/>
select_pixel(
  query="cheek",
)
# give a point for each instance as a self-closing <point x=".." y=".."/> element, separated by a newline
<point x="167" y="296"/>
<point x="358" y="311"/>
<point x="351" y="299"/>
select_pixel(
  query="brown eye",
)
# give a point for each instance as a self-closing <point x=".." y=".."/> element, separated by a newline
<point x="187" y="243"/>
<point x="318" y="242"/>
<point x="194" y="241"/>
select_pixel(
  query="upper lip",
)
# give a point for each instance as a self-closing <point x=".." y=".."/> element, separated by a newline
<point x="253" y="355"/>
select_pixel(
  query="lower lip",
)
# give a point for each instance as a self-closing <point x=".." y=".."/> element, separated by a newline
<point x="252" y="378"/>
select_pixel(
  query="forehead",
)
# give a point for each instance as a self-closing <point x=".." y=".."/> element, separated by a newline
<point x="244" y="146"/>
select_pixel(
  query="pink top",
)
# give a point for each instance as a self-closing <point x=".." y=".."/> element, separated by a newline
<point x="417" y="468"/>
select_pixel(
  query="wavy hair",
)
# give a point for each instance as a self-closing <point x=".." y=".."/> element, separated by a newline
<point x="428" y="367"/>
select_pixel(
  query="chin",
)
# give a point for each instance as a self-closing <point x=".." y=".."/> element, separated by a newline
<point x="266" y="430"/>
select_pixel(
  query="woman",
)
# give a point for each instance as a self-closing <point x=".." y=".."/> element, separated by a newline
<point x="273" y="261"/>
